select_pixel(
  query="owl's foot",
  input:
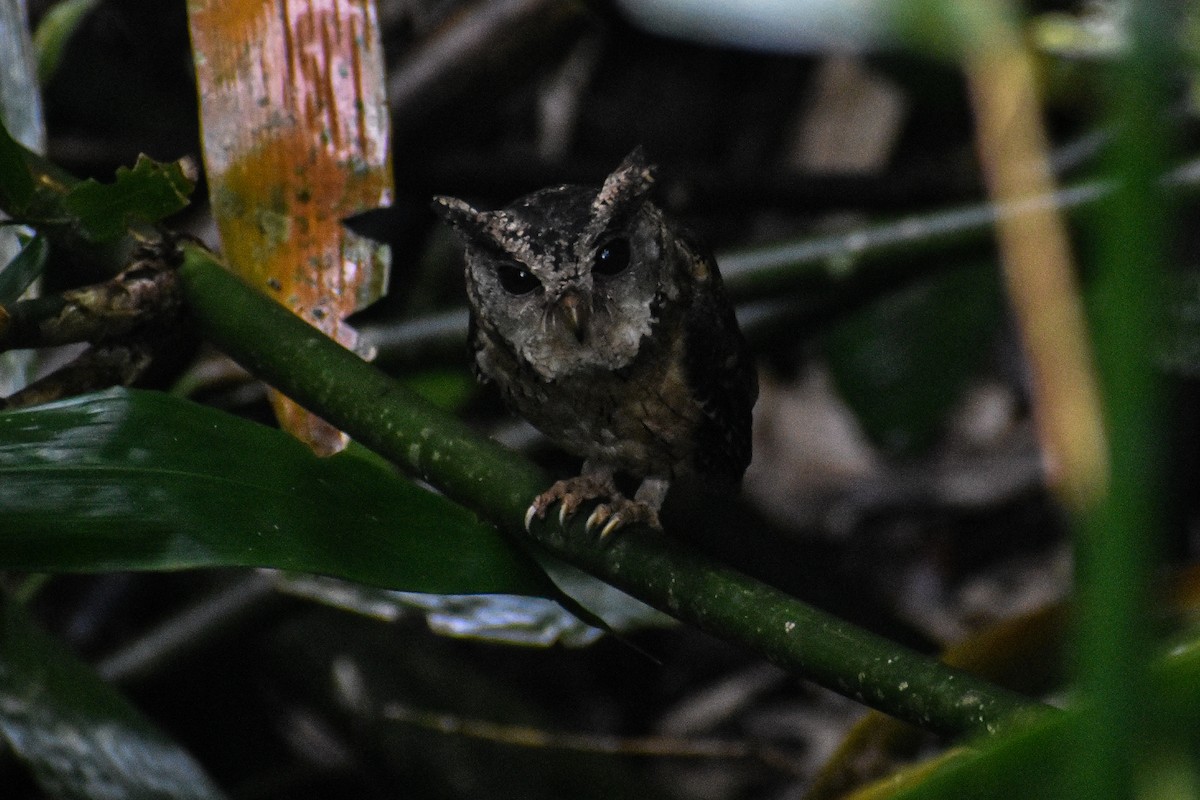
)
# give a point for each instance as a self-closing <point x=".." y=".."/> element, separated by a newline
<point x="615" y="512"/>
<point x="572" y="492"/>
<point x="619" y="512"/>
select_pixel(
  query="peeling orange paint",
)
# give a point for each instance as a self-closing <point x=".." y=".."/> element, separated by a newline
<point x="295" y="135"/>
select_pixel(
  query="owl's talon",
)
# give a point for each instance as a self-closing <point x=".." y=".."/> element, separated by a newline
<point x="598" y="517"/>
<point x="612" y="525"/>
<point x="570" y="494"/>
<point x="611" y="517"/>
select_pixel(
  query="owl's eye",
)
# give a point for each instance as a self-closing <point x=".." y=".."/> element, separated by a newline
<point x="517" y="280"/>
<point x="612" y="258"/>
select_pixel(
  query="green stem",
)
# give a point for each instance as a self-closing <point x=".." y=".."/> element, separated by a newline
<point x="498" y="484"/>
<point x="1116" y="548"/>
<point x="379" y="412"/>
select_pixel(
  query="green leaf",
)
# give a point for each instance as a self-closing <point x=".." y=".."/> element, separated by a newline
<point x="904" y="362"/>
<point x="16" y="179"/>
<point x="55" y="31"/>
<point x="135" y="480"/>
<point x="23" y="270"/>
<point x="81" y="739"/>
<point x="145" y="194"/>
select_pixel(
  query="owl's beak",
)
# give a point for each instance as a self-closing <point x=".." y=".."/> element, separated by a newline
<point x="575" y="312"/>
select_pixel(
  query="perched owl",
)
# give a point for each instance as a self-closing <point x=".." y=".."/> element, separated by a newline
<point x="608" y="328"/>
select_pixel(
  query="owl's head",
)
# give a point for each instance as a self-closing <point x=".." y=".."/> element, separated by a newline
<point x="570" y="277"/>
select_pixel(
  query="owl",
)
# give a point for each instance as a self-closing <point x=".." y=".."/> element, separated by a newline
<point x="607" y="327"/>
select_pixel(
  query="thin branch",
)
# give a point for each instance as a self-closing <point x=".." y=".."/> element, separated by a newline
<point x="130" y="319"/>
<point x="1036" y="262"/>
<point x="595" y="743"/>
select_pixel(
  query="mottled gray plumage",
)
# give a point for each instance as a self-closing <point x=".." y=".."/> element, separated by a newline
<point x="608" y="328"/>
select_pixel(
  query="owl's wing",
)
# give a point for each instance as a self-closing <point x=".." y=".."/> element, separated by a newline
<point x="721" y="375"/>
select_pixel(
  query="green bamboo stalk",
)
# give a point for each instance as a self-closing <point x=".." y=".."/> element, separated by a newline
<point x="1116" y="543"/>
<point x="498" y="484"/>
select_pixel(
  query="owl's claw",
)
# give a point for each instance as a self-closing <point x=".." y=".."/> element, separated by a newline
<point x="614" y="512"/>
<point x="571" y="494"/>
<point x="619" y="512"/>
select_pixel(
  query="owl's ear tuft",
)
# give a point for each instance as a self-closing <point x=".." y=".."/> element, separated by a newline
<point x="460" y="215"/>
<point x="629" y="184"/>
<point x="636" y="162"/>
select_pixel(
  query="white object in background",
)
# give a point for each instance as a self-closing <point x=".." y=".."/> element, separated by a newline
<point x="780" y="26"/>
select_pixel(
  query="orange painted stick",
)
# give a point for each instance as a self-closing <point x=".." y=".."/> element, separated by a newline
<point x="295" y="137"/>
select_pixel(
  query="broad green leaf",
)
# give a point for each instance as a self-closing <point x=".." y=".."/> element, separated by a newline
<point x="145" y="194"/>
<point x="16" y="180"/>
<point x="18" y="274"/>
<point x="903" y="362"/>
<point x="80" y="738"/>
<point x="136" y="480"/>
<point x="54" y="33"/>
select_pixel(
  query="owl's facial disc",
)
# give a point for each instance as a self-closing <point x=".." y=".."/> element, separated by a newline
<point x="567" y="277"/>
